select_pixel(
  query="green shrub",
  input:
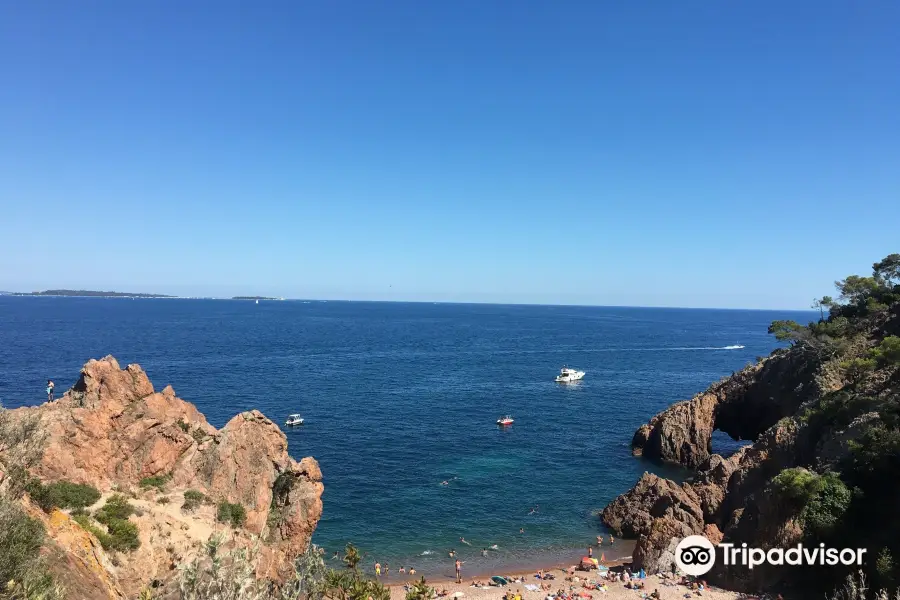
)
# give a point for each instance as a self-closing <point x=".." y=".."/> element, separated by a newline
<point x="184" y="426"/>
<point x="884" y="565"/>
<point x="20" y="541"/>
<point x="194" y="496"/>
<point x="61" y="494"/>
<point x="123" y="535"/>
<point x="797" y="485"/>
<point x="231" y="513"/>
<point x="193" y="499"/>
<point x="163" y="500"/>
<point x="827" y="505"/>
<point x="116" y="507"/>
<point x="856" y="369"/>
<point x="156" y="481"/>
<point x="887" y="352"/>
<point x="281" y="489"/>
<point x="120" y="535"/>
<point x="199" y="435"/>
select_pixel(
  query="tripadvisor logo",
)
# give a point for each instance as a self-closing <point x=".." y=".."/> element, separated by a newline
<point x="696" y="555"/>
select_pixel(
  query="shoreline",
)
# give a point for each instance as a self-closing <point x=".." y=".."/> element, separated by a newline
<point x="582" y="583"/>
<point x="517" y="564"/>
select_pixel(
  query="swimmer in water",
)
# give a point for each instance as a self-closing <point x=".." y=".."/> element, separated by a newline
<point x="484" y="552"/>
<point x="445" y="482"/>
<point x="452" y="553"/>
<point x="463" y="540"/>
<point x="495" y="547"/>
<point x="522" y="530"/>
<point x="599" y="540"/>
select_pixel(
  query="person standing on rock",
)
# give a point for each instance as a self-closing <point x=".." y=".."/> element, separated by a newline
<point x="50" y="387"/>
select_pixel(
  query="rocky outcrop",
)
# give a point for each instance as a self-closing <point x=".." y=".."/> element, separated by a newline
<point x="111" y="430"/>
<point x="743" y="406"/>
<point x="632" y="514"/>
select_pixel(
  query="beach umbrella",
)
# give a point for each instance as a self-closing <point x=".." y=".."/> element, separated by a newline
<point x="499" y="580"/>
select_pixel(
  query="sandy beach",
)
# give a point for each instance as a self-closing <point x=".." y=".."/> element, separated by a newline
<point x="614" y="590"/>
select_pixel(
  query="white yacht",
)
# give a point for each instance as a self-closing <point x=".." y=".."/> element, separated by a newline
<point x="567" y="375"/>
<point x="294" y="420"/>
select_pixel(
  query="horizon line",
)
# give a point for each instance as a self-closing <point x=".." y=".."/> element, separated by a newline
<point x="460" y="302"/>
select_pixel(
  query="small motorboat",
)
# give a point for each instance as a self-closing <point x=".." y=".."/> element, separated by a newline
<point x="504" y="421"/>
<point x="567" y="375"/>
<point x="294" y="420"/>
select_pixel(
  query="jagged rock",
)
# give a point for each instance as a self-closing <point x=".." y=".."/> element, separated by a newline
<point x="112" y="429"/>
<point x="652" y="498"/>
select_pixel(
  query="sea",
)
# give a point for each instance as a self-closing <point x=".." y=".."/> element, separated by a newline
<point x="401" y="397"/>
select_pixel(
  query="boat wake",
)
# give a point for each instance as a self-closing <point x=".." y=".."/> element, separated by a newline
<point x="735" y="347"/>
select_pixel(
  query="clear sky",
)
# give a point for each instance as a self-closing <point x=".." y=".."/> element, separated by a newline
<point x="689" y="153"/>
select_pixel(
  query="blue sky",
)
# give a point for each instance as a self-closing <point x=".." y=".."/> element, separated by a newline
<point x="689" y="153"/>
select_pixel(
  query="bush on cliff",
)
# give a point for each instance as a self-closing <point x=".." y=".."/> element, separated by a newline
<point x="193" y="499"/>
<point x="116" y="507"/>
<point x="62" y="494"/>
<point x="826" y="507"/>
<point x="23" y="574"/>
<point x="156" y="481"/>
<point x="121" y="534"/>
<point x="235" y="514"/>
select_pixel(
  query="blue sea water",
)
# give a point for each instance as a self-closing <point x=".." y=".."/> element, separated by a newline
<point x="400" y="397"/>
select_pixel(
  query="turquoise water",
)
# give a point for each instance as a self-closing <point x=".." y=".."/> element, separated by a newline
<point x="400" y="397"/>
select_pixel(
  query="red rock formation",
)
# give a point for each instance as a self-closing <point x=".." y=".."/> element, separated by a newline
<point x="112" y="430"/>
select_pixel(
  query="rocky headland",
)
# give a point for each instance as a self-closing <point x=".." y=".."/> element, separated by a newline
<point x="824" y="463"/>
<point x="115" y="432"/>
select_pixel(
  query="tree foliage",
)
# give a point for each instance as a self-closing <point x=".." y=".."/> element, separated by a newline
<point x="788" y="331"/>
<point x="887" y="352"/>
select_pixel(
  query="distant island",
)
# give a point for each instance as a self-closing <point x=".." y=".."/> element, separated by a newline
<point x="93" y="294"/>
<point x="254" y="298"/>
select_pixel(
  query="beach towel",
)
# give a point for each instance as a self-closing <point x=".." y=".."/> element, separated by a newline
<point x="531" y="587"/>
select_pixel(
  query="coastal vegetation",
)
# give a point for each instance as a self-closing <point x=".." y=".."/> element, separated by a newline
<point x="846" y="491"/>
<point x="232" y="513"/>
<point x="156" y="481"/>
<point x="824" y="415"/>
<point x="193" y="499"/>
<point x="219" y="575"/>
<point x="24" y="573"/>
<point x="62" y="494"/>
<point x="93" y="294"/>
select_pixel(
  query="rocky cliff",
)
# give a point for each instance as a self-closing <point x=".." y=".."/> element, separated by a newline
<point x="824" y="419"/>
<point x="112" y="430"/>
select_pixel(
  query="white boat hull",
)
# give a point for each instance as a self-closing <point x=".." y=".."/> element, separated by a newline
<point x="569" y="378"/>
